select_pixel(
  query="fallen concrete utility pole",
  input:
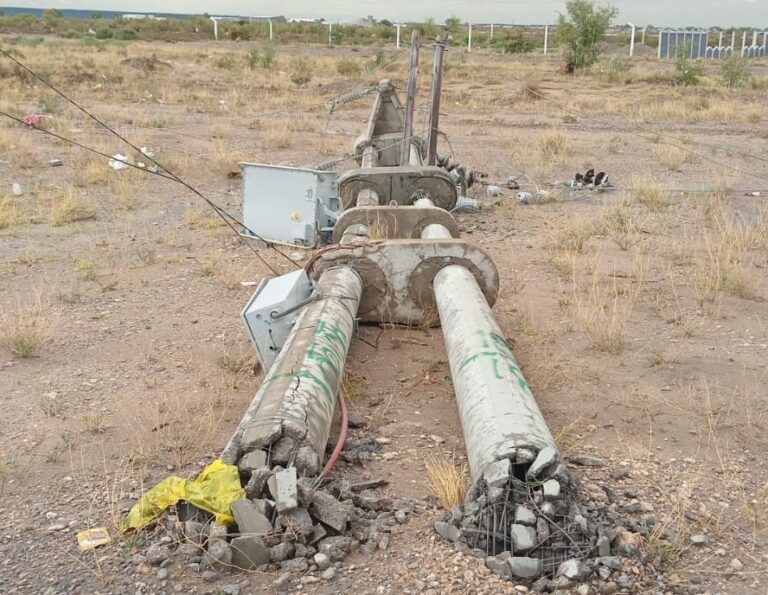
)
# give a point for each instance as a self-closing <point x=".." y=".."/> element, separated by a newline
<point x="289" y="419"/>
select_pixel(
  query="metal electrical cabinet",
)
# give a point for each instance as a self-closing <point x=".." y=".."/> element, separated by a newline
<point x="272" y="310"/>
<point x="289" y="205"/>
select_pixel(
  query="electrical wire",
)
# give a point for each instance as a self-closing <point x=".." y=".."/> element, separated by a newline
<point x="228" y="219"/>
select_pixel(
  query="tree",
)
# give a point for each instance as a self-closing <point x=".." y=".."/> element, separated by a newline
<point x="453" y="24"/>
<point x="582" y="30"/>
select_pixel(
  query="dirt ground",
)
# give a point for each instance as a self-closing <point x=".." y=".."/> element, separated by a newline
<point x="638" y="314"/>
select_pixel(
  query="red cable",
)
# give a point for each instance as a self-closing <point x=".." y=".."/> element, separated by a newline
<point x="342" y="436"/>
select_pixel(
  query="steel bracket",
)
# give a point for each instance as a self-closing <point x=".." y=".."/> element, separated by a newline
<point x="399" y="184"/>
<point x="394" y="222"/>
<point x="398" y="275"/>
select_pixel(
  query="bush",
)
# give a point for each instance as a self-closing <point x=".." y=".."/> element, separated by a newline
<point x="582" y="31"/>
<point x="301" y="71"/>
<point x="687" y="73"/>
<point x="104" y="33"/>
<point x="615" y="69"/>
<point x="348" y="68"/>
<point x="253" y="57"/>
<point x="734" y="72"/>
<point x="268" y="53"/>
<point x="126" y="34"/>
<point x="513" y="42"/>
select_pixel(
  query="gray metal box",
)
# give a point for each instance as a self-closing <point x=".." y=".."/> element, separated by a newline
<point x="268" y="315"/>
<point x="289" y="205"/>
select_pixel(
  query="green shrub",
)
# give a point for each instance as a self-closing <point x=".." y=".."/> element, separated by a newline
<point x="582" y="30"/>
<point x="348" y="68"/>
<point x="687" y="73"/>
<point x="126" y="34"/>
<point x="301" y="71"/>
<point x="104" y="33"/>
<point x="512" y="42"/>
<point x="734" y="72"/>
<point x="253" y="57"/>
<point x="268" y="53"/>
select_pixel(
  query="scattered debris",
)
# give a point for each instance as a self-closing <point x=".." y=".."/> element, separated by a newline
<point x="93" y="538"/>
<point x="16" y="189"/>
<point x="591" y="180"/>
<point x="55" y="162"/>
<point x="32" y="120"/>
<point x="119" y="161"/>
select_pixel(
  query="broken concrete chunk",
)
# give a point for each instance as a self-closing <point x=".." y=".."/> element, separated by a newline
<point x="525" y="455"/>
<point x="249" y="519"/>
<point x="542" y="529"/>
<point x="326" y="509"/>
<point x="544" y="459"/>
<point x="551" y="489"/>
<point x="219" y="555"/>
<point x="252" y="460"/>
<point x="260" y="435"/>
<point x="603" y="546"/>
<point x="500" y="567"/>
<point x="255" y="486"/>
<point x="523" y="538"/>
<point x="525" y="516"/>
<point x="287" y="496"/>
<point x="318" y="533"/>
<point x="249" y="552"/>
<point x="336" y="548"/>
<point x="496" y="474"/>
<point x="322" y="561"/>
<point x="282" y="451"/>
<point x="306" y="490"/>
<point x="522" y="567"/>
<point x="282" y="551"/>
<point x="307" y="461"/>
<point x="447" y="531"/>
<point x="298" y="520"/>
<point x="217" y="532"/>
<point x="569" y="569"/>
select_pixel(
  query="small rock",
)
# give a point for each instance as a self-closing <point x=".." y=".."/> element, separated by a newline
<point x="328" y="574"/>
<point x="525" y="567"/>
<point x="569" y="569"/>
<point x="603" y="546"/>
<point x="281" y="551"/>
<point x="544" y="459"/>
<point x="525" y="516"/>
<point x="248" y="552"/>
<point x="355" y="421"/>
<point x="500" y="567"/>
<point x="699" y="539"/>
<point x="219" y="555"/>
<point x="448" y="531"/>
<point x="282" y="582"/>
<point x="585" y="460"/>
<point x="231" y="589"/>
<point x="157" y="554"/>
<point x="523" y="538"/>
<point x="736" y="565"/>
<point x="323" y="562"/>
<point x="551" y="489"/>
<point x="401" y="517"/>
<point x="162" y="574"/>
<point x="210" y="576"/>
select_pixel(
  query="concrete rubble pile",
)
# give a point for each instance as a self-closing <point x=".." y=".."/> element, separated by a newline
<point x="525" y="518"/>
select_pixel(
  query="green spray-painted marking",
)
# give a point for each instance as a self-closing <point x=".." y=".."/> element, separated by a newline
<point x="495" y="348"/>
<point x="327" y="351"/>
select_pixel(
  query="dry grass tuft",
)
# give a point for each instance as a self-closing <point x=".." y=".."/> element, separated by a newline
<point x="25" y="330"/>
<point x="552" y="144"/>
<point x="447" y="480"/>
<point x="573" y="239"/>
<point x="354" y="386"/>
<point x="531" y="91"/>
<point x="672" y="157"/>
<point x="10" y="213"/>
<point x="72" y="207"/>
<point x="649" y="193"/>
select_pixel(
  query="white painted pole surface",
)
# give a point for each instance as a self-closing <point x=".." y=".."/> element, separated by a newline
<point x="632" y="41"/>
<point x="497" y="409"/>
<point x="546" y="38"/>
<point x="643" y="40"/>
<point x="299" y="391"/>
<point x="270" y="30"/>
<point x="491" y="31"/>
<point x="215" y="29"/>
<point x="469" y="37"/>
<point x="398" y="36"/>
<point x="330" y="35"/>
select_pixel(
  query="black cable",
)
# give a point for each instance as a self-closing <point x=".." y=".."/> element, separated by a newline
<point x="226" y="217"/>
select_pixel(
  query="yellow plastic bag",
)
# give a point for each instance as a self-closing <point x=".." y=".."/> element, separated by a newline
<point x="213" y="490"/>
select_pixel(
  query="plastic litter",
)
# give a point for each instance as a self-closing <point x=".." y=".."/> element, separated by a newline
<point x="524" y="198"/>
<point x="754" y="193"/>
<point x="118" y="161"/>
<point x="16" y="189"/>
<point x="492" y="191"/>
<point x="93" y="538"/>
<point x="55" y="162"/>
<point x="213" y="490"/>
<point x="32" y="120"/>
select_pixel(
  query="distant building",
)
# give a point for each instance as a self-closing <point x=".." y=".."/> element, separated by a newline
<point x="138" y="17"/>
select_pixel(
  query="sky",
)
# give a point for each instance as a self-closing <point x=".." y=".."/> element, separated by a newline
<point x="702" y="13"/>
